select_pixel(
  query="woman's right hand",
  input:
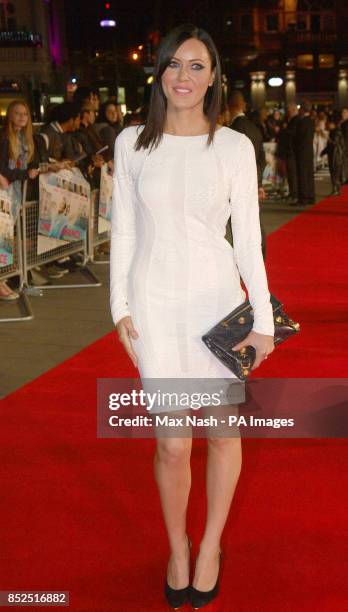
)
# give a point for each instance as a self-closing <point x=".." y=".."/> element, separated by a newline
<point x="126" y="331"/>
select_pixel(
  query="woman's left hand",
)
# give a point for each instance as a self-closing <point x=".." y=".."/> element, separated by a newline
<point x="263" y="344"/>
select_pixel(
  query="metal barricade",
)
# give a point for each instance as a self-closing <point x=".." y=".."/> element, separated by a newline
<point x="22" y="304"/>
<point x="31" y="259"/>
<point x="99" y="229"/>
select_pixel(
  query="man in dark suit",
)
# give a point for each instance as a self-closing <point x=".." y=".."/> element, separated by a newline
<point x="290" y="156"/>
<point x="241" y="123"/>
<point x="303" y="141"/>
<point x="344" y="130"/>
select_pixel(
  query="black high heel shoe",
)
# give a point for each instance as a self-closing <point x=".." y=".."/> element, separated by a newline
<point x="176" y="597"/>
<point x="198" y="599"/>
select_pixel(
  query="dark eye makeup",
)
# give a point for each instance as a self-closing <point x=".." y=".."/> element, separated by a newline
<point x="200" y="66"/>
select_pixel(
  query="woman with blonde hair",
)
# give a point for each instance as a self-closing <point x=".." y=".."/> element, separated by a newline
<point x="17" y="161"/>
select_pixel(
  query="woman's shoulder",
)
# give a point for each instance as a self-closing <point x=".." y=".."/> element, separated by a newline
<point x="130" y="134"/>
<point x="235" y="146"/>
<point x="127" y="138"/>
<point x="232" y="137"/>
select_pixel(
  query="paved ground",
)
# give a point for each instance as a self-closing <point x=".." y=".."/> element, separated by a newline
<point x="68" y="320"/>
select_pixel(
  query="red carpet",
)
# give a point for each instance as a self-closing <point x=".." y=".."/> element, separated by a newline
<point x="82" y="514"/>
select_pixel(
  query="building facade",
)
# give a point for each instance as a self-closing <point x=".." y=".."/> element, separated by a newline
<point x="285" y="50"/>
<point x="33" y="55"/>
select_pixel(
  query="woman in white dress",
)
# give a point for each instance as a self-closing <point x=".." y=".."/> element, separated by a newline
<point x="177" y="180"/>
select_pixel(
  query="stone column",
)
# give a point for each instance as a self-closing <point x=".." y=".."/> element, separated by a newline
<point x="258" y="89"/>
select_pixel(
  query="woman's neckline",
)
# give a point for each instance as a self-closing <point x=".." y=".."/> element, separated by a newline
<point x="195" y="136"/>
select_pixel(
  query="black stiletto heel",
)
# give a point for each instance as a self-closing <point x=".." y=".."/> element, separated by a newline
<point x="198" y="599"/>
<point x="176" y="597"/>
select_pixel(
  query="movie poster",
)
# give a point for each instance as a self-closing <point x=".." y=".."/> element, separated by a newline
<point x="64" y="209"/>
<point x="6" y="228"/>
<point x="273" y="180"/>
<point x="105" y="199"/>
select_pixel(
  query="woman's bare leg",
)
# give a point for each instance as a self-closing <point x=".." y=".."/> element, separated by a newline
<point x="173" y="476"/>
<point x="223" y="469"/>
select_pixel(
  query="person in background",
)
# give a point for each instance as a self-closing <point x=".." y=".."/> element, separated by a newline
<point x="280" y="159"/>
<point x="225" y="116"/>
<point x="344" y="130"/>
<point x="62" y="122"/>
<point x="313" y="115"/>
<point x="336" y="152"/>
<point x="17" y="162"/>
<point x="85" y="141"/>
<point x="41" y="160"/>
<point x="62" y="142"/>
<point x="289" y="152"/>
<point x="320" y="138"/>
<point x="87" y="96"/>
<point x="304" y="152"/>
<point x="109" y="126"/>
<point x="86" y="134"/>
<point x="328" y="110"/>
<point x="260" y="117"/>
<point x="135" y="118"/>
<point x="274" y="124"/>
<point x="62" y="146"/>
<point x="241" y="123"/>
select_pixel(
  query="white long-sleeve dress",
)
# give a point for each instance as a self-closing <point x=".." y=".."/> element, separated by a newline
<point x="171" y="267"/>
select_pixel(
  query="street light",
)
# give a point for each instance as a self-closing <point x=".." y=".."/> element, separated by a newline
<point x="275" y="81"/>
<point x="108" y="23"/>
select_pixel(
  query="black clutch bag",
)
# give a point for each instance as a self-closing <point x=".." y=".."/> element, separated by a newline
<point x="235" y="327"/>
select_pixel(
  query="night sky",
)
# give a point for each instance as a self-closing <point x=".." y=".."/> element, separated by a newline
<point x="134" y="19"/>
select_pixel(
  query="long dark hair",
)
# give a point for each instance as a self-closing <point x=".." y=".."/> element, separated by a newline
<point x="152" y="133"/>
<point x="102" y="112"/>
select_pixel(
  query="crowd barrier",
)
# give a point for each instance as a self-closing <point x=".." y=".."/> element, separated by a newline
<point x="15" y="268"/>
<point x="31" y="248"/>
<point x="99" y="229"/>
<point x="31" y="259"/>
<point x="274" y="179"/>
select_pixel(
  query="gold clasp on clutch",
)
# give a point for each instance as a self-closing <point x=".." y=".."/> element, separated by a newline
<point x="241" y="320"/>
